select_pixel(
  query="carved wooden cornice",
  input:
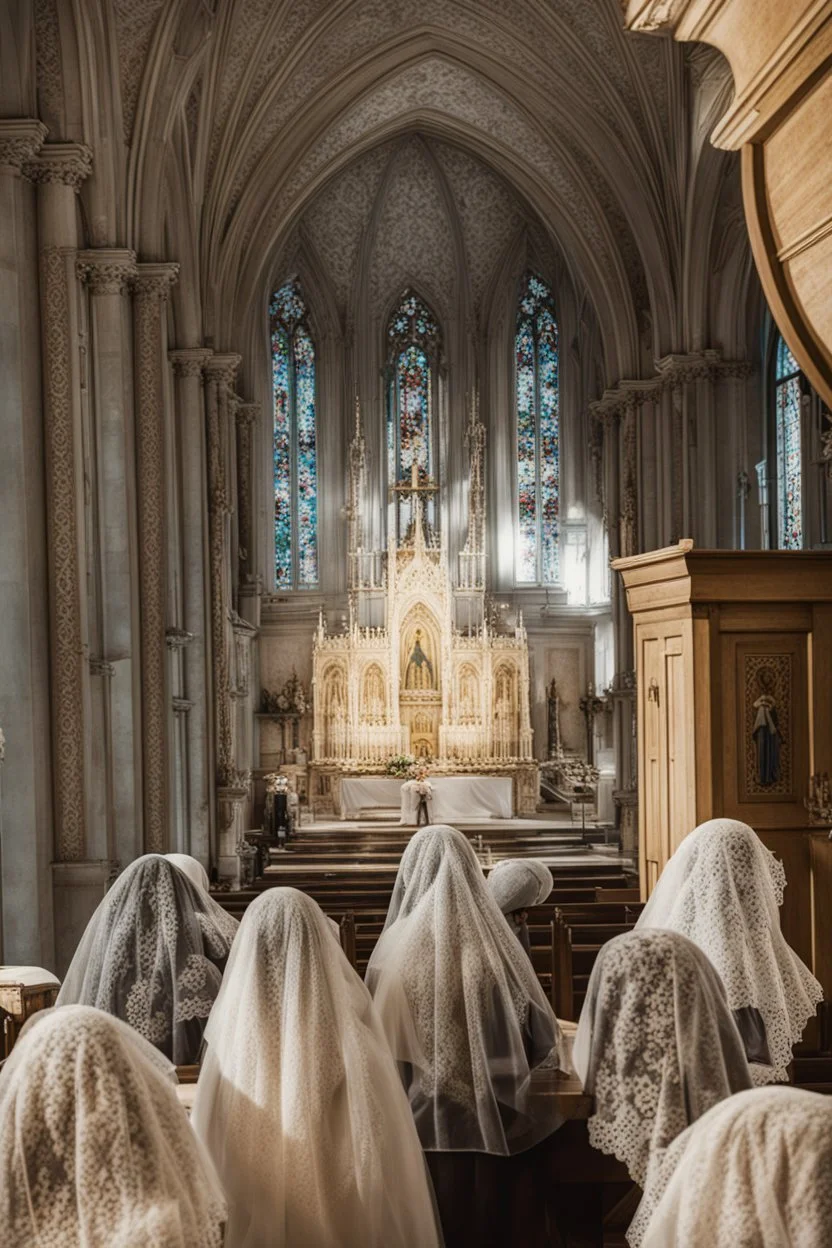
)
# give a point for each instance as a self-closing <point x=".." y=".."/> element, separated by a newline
<point x="20" y="140"/>
<point x="67" y="164"/>
<point x="107" y="270"/>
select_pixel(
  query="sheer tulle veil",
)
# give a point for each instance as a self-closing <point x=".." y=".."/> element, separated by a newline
<point x="299" y="1100"/>
<point x="462" y="1008"/>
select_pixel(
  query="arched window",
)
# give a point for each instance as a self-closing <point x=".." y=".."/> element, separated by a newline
<point x="787" y="405"/>
<point x="295" y="442"/>
<point x="537" y="555"/>
<point x="413" y="346"/>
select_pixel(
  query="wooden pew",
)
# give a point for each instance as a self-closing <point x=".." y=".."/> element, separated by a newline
<point x="560" y="1192"/>
<point x="23" y="991"/>
<point x="577" y="935"/>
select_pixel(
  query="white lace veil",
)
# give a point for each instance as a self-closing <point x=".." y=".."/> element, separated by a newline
<point x="753" y="1171"/>
<point x="656" y="1045"/>
<point x="722" y="889"/>
<point x="518" y="883"/>
<point x="152" y="955"/>
<point x="193" y="868"/>
<point x="95" y="1149"/>
<point x="299" y="1100"/>
<point x="462" y="1008"/>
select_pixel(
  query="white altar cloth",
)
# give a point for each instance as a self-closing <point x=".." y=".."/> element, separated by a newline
<point x="455" y="798"/>
<point x="369" y="793"/>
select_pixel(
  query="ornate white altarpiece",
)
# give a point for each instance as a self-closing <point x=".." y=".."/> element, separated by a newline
<point x="436" y="680"/>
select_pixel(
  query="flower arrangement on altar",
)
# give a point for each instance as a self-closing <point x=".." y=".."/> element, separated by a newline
<point x="403" y="766"/>
<point x="290" y="700"/>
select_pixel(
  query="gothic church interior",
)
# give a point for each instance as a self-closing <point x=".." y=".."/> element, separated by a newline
<point x="416" y="410"/>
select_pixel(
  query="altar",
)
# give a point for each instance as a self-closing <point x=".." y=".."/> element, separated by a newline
<point x="423" y="671"/>
<point x="456" y="799"/>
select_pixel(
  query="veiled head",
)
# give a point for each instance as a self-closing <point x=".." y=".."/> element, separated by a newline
<point x="518" y="883"/>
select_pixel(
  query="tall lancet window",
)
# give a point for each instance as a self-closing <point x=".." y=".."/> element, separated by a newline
<point x="413" y="348"/>
<point x="787" y="394"/>
<point x="537" y="555"/>
<point x="295" y="442"/>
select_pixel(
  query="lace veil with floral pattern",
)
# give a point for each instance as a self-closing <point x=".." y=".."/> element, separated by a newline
<point x="723" y="889"/>
<point x="95" y="1149"/>
<point x="656" y="1045"/>
<point x="752" y="1171"/>
<point x="152" y="955"/>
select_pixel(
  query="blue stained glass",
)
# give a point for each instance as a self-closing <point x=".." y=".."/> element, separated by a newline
<point x="295" y="442"/>
<point x="789" y="465"/>
<point x="412" y="333"/>
<point x="538" y="436"/>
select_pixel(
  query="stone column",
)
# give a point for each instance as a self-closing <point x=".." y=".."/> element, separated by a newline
<point x="25" y="800"/>
<point x="79" y="880"/>
<point x="232" y="784"/>
<point x="151" y="292"/>
<point x="247" y="415"/>
<point x="190" y="412"/>
<point x="115" y="796"/>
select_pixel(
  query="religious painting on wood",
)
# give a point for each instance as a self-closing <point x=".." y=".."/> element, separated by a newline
<point x="768" y="688"/>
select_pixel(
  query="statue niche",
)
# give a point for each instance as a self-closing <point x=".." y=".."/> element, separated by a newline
<point x="420" y="669"/>
<point x="373" y="706"/>
<point x="335" y="704"/>
<point x="504" y="730"/>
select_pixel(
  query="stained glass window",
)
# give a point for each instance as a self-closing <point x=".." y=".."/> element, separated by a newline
<point x="413" y="341"/>
<point x="537" y="557"/>
<point x="295" y="442"/>
<point x="787" y="392"/>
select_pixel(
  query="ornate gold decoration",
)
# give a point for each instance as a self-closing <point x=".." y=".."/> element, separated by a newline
<point x="152" y="286"/>
<point x="64" y="567"/>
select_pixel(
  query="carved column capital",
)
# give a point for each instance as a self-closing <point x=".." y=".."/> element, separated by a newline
<point x="176" y="638"/>
<point x="190" y="361"/>
<point x="153" y="281"/>
<point x="102" y="667"/>
<point x="107" y="270"/>
<point x="20" y="140"/>
<point x="247" y="413"/>
<point x="67" y="164"/>
<point x="223" y="367"/>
